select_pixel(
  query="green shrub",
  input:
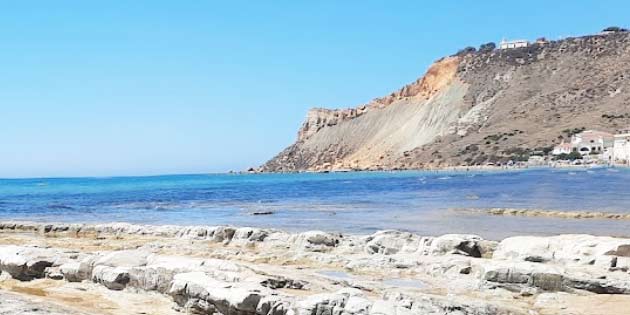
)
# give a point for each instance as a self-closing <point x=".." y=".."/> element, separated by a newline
<point x="487" y="47"/>
<point x="614" y="29"/>
<point x="466" y="51"/>
<point x="574" y="155"/>
<point x="574" y="131"/>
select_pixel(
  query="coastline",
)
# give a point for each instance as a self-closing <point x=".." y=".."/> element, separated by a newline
<point x="417" y="202"/>
<point x="474" y="168"/>
<point x="243" y="270"/>
<point x="562" y="214"/>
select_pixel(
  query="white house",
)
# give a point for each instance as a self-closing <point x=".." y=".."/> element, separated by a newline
<point x="592" y="141"/>
<point x="562" y="148"/>
<point x="513" y="44"/>
<point x="621" y="147"/>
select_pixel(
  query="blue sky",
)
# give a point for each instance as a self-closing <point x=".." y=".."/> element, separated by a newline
<point x="101" y="88"/>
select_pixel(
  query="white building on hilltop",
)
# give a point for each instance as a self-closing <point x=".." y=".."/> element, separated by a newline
<point x="621" y="147"/>
<point x="513" y="44"/>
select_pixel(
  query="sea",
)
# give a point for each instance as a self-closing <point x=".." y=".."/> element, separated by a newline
<point x="423" y="202"/>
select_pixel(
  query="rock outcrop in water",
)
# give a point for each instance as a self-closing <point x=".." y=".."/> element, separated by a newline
<point x="474" y="108"/>
<point x="556" y="213"/>
<point x="227" y="270"/>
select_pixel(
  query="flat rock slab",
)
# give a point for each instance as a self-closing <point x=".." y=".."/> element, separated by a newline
<point x="13" y="304"/>
<point x="246" y="271"/>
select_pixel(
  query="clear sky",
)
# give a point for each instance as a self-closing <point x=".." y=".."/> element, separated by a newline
<point x="100" y="88"/>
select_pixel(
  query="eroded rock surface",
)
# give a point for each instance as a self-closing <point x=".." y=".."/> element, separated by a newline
<point x="12" y="304"/>
<point x="227" y="270"/>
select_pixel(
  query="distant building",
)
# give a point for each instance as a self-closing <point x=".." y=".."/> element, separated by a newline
<point x="596" y="144"/>
<point x="513" y="44"/>
<point x="562" y="148"/>
<point x="621" y="147"/>
<point x="542" y="41"/>
<point x="592" y="141"/>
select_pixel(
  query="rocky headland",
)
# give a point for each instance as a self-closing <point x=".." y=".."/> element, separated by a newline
<point x="475" y="108"/>
<point x="137" y="269"/>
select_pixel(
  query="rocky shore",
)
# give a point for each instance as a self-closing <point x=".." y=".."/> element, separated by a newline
<point x="136" y="269"/>
<point x="550" y="213"/>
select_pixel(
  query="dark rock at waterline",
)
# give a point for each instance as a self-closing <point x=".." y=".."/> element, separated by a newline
<point x="60" y="207"/>
<point x="262" y="213"/>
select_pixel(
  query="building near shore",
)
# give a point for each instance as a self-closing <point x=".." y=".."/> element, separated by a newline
<point x="562" y="148"/>
<point x="592" y="144"/>
<point x="621" y="147"/>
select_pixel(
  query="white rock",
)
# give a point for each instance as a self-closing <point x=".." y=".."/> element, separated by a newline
<point x="123" y="258"/>
<point x="605" y="261"/>
<point x="523" y="273"/>
<point x="76" y="271"/>
<point x="316" y="241"/>
<point x="382" y="307"/>
<point x="247" y="234"/>
<point x="26" y="263"/>
<point x="566" y="249"/>
<point x="160" y="271"/>
<point x="324" y="303"/>
<point x="622" y="262"/>
<point x="222" y="234"/>
<point x="224" y="296"/>
<point x="113" y="278"/>
<point x="392" y="242"/>
<point x="462" y="244"/>
<point x="357" y="305"/>
<point x="273" y="305"/>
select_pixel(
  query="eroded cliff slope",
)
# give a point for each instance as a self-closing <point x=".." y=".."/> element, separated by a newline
<point x="475" y="108"/>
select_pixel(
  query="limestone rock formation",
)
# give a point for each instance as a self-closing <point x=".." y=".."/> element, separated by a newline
<point x="223" y="270"/>
<point x="25" y="263"/>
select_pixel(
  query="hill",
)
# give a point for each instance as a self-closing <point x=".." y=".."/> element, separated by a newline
<point x="473" y="108"/>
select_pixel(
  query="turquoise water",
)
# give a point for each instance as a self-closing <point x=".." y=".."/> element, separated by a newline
<point x="347" y="202"/>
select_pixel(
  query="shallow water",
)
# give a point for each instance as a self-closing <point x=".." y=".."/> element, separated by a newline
<point x="347" y="202"/>
<point x="339" y="275"/>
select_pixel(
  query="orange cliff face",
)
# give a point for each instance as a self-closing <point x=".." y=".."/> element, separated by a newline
<point x="438" y="76"/>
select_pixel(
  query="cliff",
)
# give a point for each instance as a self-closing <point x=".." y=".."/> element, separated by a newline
<point x="475" y="108"/>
